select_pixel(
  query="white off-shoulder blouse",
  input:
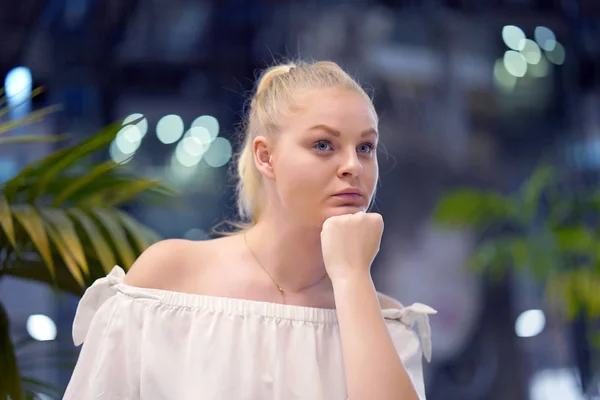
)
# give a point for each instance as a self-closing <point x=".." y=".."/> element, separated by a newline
<point x="151" y="344"/>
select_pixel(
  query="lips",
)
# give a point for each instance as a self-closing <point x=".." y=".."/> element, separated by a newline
<point x="350" y="197"/>
<point x="350" y="191"/>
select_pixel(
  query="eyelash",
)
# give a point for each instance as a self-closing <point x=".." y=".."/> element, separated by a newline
<point x="372" y="146"/>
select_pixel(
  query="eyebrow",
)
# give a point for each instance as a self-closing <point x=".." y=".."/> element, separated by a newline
<point x="336" y="133"/>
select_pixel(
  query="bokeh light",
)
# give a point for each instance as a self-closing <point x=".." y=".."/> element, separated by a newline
<point x="141" y="124"/>
<point x="515" y="63"/>
<point x="183" y="167"/>
<point x="513" y="37"/>
<point x="219" y="152"/>
<point x="117" y="155"/>
<point x="169" y="128"/>
<point x="530" y="323"/>
<point x="208" y="122"/>
<point x="531" y="51"/>
<point x="193" y="146"/>
<point x="128" y="139"/>
<point x="18" y="85"/>
<point x="539" y="70"/>
<point x="502" y="78"/>
<point x="557" y="54"/>
<point x="545" y="38"/>
<point x="41" y="327"/>
<point x="202" y="135"/>
<point x="186" y="155"/>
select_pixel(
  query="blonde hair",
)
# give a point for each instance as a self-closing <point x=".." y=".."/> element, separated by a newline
<point x="274" y="95"/>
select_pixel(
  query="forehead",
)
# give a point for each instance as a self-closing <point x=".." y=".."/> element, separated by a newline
<point x="341" y="109"/>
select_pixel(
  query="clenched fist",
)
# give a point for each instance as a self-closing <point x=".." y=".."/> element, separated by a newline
<point x="350" y="243"/>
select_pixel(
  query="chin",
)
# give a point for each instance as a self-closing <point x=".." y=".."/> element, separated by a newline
<point x="316" y="220"/>
<point x="345" y="210"/>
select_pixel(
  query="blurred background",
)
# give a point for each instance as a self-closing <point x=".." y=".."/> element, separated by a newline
<point x="490" y="119"/>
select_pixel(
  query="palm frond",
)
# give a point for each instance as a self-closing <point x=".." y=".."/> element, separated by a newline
<point x="59" y="225"/>
<point x="120" y="192"/>
<point x="63" y="228"/>
<point x="33" y="117"/>
<point x="9" y="378"/>
<point x="72" y="155"/>
<point x="92" y="234"/>
<point x="68" y="189"/>
<point x="140" y="235"/>
<point x="117" y="235"/>
<point x="3" y="100"/>
<point x="32" y="139"/>
<point x="81" y="244"/>
<point x="31" y="221"/>
<point x="30" y="266"/>
<point x="34" y="179"/>
<point x="6" y="221"/>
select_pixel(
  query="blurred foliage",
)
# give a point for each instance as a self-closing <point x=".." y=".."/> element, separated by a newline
<point x="60" y="225"/>
<point x="543" y="229"/>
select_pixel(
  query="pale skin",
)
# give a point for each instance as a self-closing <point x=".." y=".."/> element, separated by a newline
<point x="305" y="231"/>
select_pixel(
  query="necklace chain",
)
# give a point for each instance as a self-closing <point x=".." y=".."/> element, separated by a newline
<point x="281" y="291"/>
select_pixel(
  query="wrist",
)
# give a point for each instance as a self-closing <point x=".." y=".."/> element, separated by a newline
<point x="355" y="290"/>
<point x="351" y="278"/>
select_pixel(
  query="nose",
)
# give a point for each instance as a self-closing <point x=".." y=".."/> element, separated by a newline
<point x="350" y="165"/>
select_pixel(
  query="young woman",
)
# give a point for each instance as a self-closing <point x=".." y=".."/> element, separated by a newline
<point x="285" y="308"/>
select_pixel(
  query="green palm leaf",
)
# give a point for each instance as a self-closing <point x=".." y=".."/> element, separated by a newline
<point x="74" y="154"/>
<point x="28" y="176"/>
<point x="473" y="208"/>
<point x="80" y="182"/>
<point x="9" y="378"/>
<point x="5" y="110"/>
<point x="66" y="257"/>
<point x="63" y="227"/>
<point x="35" y="178"/>
<point x="6" y="221"/>
<point x="542" y="177"/>
<point x="59" y="236"/>
<point x="33" y="117"/>
<point x="139" y="234"/>
<point x="32" y="139"/>
<point x="33" y="224"/>
<point x="60" y="225"/>
<point x="36" y="269"/>
<point x="117" y="234"/>
<point x="125" y="192"/>
<point x="101" y="247"/>
<point x="115" y="190"/>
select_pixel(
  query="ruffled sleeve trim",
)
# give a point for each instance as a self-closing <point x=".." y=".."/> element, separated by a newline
<point x="415" y="315"/>
<point x="93" y="298"/>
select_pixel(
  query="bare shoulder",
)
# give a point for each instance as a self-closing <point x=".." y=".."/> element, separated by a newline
<point x="167" y="263"/>
<point x="387" y="302"/>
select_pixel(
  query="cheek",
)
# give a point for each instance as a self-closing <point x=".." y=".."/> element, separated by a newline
<point x="301" y="180"/>
<point x="370" y="177"/>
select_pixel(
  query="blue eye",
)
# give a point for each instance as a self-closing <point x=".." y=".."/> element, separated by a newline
<point x="366" y="148"/>
<point x="322" y="145"/>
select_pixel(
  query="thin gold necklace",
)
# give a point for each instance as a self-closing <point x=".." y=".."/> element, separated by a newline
<point x="281" y="290"/>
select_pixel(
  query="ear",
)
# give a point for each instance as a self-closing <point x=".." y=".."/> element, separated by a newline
<point x="263" y="158"/>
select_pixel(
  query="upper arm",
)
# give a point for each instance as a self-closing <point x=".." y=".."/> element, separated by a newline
<point x="161" y="265"/>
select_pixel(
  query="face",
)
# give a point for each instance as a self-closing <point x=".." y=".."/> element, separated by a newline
<point x="324" y="162"/>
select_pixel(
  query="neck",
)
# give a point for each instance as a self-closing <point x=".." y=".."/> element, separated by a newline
<point x="290" y="254"/>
